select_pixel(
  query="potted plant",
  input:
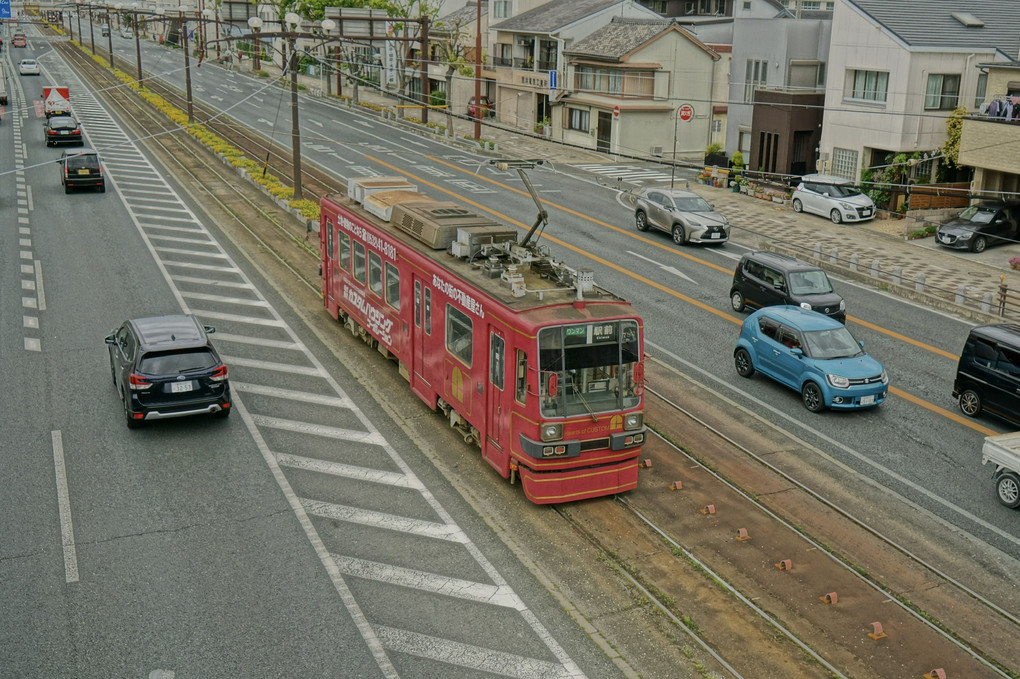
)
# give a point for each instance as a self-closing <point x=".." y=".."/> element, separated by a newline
<point x="544" y="127"/>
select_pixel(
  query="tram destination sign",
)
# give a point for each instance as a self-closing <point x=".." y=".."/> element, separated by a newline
<point x="590" y="333"/>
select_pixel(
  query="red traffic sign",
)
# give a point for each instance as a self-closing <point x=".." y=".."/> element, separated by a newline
<point x="616" y="111"/>
<point x="685" y="112"/>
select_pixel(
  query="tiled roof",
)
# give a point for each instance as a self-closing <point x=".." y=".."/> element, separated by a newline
<point x="554" y="15"/>
<point x="620" y="36"/>
<point x="465" y="16"/>
<point x="930" y="23"/>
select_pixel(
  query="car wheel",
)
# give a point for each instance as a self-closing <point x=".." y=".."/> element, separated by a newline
<point x="737" y="301"/>
<point x="132" y="423"/>
<point x="812" y="397"/>
<point x="67" y="188"/>
<point x="742" y="361"/>
<point x="797" y="205"/>
<point x="679" y="236"/>
<point x="640" y="221"/>
<point x="1008" y="490"/>
<point x="102" y="188"/>
<point x="979" y="244"/>
<point x="836" y="217"/>
<point x="222" y="414"/>
<point x="113" y="372"/>
<point x="970" y="403"/>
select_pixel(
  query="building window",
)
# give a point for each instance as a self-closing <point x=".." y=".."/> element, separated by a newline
<point x="458" y="334"/>
<point x="756" y="75"/>
<point x="392" y="286"/>
<point x="943" y="92"/>
<point x="502" y="9"/>
<point x="375" y="273"/>
<point x="868" y="85"/>
<point x="844" y="163"/>
<point x="577" y="120"/>
<point x="598" y="80"/>
<point x="982" y="89"/>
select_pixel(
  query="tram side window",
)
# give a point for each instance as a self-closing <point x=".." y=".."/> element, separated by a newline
<point x="375" y="273"/>
<point x="359" y="261"/>
<point x="329" y="241"/>
<point x="393" y="287"/>
<point x="497" y="369"/>
<point x="521" y="387"/>
<point x="417" y="304"/>
<point x="458" y="334"/>
<point x="428" y="311"/>
<point x="345" y="252"/>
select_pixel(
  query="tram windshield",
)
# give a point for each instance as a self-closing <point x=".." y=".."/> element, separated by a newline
<point x="593" y="364"/>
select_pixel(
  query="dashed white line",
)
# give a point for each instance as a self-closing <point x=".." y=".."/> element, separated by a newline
<point x="64" y="509"/>
<point x="39" y="293"/>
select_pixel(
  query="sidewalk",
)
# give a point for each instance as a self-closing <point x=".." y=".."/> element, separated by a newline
<point x="874" y="252"/>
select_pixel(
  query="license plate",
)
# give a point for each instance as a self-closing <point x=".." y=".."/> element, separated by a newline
<point x="715" y="235"/>
<point x="64" y="132"/>
<point x="179" y="387"/>
<point x="867" y="400"/>
<point x="865" y="213"/>
<point x="83" y="171"/>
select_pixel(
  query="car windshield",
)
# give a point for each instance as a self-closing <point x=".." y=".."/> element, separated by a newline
<point x="831" y="343"/>
<point x="695" y="204"/>
<point x="173" y="362"/>
<point x="841" y="190"/>
<point x="809" y="283"/>
<point x="977" y="215"/>
<point x="62" y="123"/>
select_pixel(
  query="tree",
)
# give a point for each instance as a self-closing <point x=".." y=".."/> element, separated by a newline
<point x="451" y="49"/>
<point x="954" y="128"/>
<point x="407" y="65"/>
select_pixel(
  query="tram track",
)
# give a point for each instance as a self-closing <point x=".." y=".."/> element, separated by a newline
<point x="217" y="183"/>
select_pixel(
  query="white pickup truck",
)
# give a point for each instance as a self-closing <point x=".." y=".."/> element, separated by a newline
<point x="1004" y="452"/>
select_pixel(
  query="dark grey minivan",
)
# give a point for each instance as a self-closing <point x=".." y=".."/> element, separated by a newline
<point x="988" y="375"/>
<point x="770" y="278"/>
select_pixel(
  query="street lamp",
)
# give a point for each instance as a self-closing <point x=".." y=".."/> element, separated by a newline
<point x="138" y="44"/>
<point x="478" y="70"/>
<point x="293" y="21"/>
<point x="327" y="26"/>
<point x="672" y="170"/>
<point x="255" y="24"/>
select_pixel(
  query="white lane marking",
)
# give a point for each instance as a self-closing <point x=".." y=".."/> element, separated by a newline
<point x="374" y="519"/>
<point x="32" y="344"/>
<point x="289" y="368"/>
<point x="272" y="322"/>
<point x="225" y="300"/>
<point x="30" y="321"/>
<point x="178" y="239"/>
<point x="194" y="265"/>
<point x="27" y="284"/>
<point x="352" y="605"/>
<point x="64" y="509"/>
<point x="346" y="471"/>
<point x="414" y="141"/>
<point x="27" y="268"/>
<point x="25" y="242"/>
<point x="288" y="394"/>
<point x="191" y="253"/>
<point x="854" y="453"/>
<point x="26" y="254"/>
<point x="29" y="303"/>
<point x="213" y="282"/>
<point x="426" y="582"/>
<point x="668" y="269"/>
<point x="471" y="657"/>
<point x="339" y="433"/>
<point x="31" y="205"/>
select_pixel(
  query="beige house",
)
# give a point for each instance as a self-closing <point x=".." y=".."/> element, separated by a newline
<point x="990" y="139"/>
<point x="640" y="87"/>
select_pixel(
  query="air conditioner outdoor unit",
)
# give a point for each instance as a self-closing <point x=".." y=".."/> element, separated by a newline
<point x="655" y="151"/>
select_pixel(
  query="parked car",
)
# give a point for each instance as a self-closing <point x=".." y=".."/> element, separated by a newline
<point x="106" y="30"/>
<point x="29" y="67"/>
<point x="834" y="197"/>
<point x="81" y="168"/>
<point x="684" y="214"/>
<point x="988" y="373"/>
<point x="61" y="130"/>
<point x="19" y="40"/>
<point x="126" y="33"/>
<point x="812" y="354"/>
<point x="764" y="279"/>
<point x="980" y="225"/>
<point x="486" y="108"/>
<point x="165" y="367"/>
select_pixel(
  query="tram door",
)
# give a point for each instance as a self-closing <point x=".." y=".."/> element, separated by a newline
<point x="329" y="265"/>
<point x="422" y="330"/>
<point x="498" y="410"/>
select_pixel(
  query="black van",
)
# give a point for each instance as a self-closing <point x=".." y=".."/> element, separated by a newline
<point x="769" y="278"/>
<point x="988" y="376"/>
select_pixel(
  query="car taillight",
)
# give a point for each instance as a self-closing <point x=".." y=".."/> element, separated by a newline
<point x="219" y="375"/>
<point x="139" y="383"/>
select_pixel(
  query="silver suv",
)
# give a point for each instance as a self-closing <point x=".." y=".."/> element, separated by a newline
<point x="684" y="214"/>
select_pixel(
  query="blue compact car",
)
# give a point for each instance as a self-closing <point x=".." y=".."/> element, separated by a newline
<point x="812" y="353"/>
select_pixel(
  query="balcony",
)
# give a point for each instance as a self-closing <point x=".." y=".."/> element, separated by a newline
<point x="982" y="140"/>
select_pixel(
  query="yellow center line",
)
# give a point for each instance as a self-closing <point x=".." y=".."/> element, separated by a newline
<point x="658" y="286"/>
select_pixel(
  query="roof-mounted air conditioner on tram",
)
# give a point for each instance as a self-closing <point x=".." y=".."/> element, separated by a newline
<point x="435" y="223"/>
<point x="359" y="187"/>
<point x="470" y="241"/>
<point x="381" y="203"/>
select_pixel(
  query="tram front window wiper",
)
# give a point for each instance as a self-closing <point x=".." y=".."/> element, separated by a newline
<point x="580" y="397"/>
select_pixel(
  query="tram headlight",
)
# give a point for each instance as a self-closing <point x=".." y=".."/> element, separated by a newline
<point x="552" y="432"/>
<point x="633" y="421"/>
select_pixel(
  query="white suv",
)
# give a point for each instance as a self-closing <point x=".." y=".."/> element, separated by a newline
<point x="834" y="197"/>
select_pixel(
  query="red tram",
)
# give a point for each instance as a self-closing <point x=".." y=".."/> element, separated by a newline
<point x="527" y="357"/>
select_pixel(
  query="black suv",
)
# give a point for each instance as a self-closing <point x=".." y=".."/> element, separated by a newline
<point x="981" y="225"/>
<point x="769" y="278"/>
<point x="81" y="168"/>
<point x="165" y="366"/>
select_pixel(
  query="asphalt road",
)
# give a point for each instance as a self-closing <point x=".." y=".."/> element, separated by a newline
<point x="305" y="536"/>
